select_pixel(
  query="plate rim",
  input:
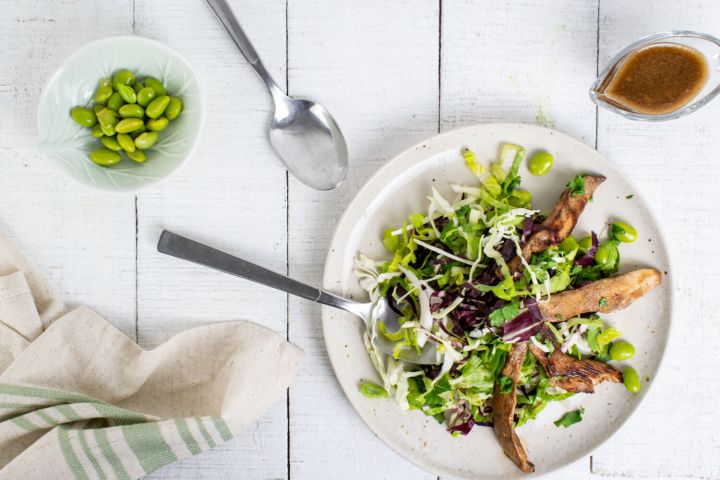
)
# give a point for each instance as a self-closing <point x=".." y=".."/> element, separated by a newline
<point x="435" y="139"/>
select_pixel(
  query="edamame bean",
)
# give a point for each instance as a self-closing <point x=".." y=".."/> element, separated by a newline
<point x="602" y="256"/>
<point x="107" y="119"/>
<point x="145" y="95"/>
<point x="111" y="143"/>
<point x="115" y="102"/>
<point x="128" y="125"/>
<point x="102" y="94"/>
<point x="157" y="106"/>
<point x="146" y="140"/>
<point x="156" y="85"/>
<point x="105" y="157"/>
<point x="175" y="106"/>
<point x="585" y="244"/>
<point x="97" y="131"/>
<point x="157" y="124"/>
<point x="97" y="107"/>
<point x="623" y="232"/>
<point x="127" y="93"/>
<point x="631" y="380"/>
<point x="137" y="156"/>
<point x="105" y="82"/>
<point x="621" y="350"/>
<point x="568" y="245"/>
<point x="126" y="142"/>
<point x="131" y="110"/>
<point x="523" y="197"/>
<point x="83" y="117"/>
<point x="123" y="77"/>
<point x="137" y="86"/>
<point x="540" y="163"/>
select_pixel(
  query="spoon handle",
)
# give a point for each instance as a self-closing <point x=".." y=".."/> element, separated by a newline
<point x="180" y="247"/>
<point x="223" y="13"/>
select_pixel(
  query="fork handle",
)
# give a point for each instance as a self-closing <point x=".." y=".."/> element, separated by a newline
<point x="184" y="248"/>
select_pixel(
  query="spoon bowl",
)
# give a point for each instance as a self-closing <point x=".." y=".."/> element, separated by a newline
<point x="308" y="140"/>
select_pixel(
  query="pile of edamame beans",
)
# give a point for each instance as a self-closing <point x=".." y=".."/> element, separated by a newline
<point x="126" y="116"/>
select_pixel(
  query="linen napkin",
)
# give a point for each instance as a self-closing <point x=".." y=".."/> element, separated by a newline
<point x="79" y="399"/>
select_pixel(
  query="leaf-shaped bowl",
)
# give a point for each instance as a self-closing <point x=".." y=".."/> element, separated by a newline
<point x="67" y="145"/>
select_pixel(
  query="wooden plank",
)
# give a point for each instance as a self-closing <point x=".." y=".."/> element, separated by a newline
<point x="373" y="64"/>
<point x="674" y="164"/>
<point x="82" y="240"/>
<point x="529" y="61"/>
<point x="232" y="195"/>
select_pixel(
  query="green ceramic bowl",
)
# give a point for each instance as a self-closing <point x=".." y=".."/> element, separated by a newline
<point x="67" y="145"/>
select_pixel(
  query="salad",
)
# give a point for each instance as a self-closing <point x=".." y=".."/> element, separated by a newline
<point x="508" y="298"/>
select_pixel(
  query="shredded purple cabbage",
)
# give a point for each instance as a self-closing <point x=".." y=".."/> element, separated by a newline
<point x="589" y="256"/>
<point x="527" y="228"/>
<point x="522" y="327"/>
<point x="533" y="308"/>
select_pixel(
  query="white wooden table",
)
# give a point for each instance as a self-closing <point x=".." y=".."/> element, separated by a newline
<point x="393" y="73"/>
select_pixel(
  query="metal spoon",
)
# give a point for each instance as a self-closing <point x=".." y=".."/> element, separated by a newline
<point x="303" y="134"/>
<point x="190" y="250"/>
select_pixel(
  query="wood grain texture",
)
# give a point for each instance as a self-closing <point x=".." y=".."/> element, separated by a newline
<point x="232" y="195"/>
<point x="82" y="240"/>
<point x="373" y="64"/>
<point x="675" y="166"/>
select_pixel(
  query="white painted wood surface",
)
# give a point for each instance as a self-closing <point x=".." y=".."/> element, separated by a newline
<point x="392" y="73"/>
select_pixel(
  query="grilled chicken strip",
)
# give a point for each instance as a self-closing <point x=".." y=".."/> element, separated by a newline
<point x="503" y="405"/>
<point x="560" y="223"/>
<point x="603" y="296"/>
<point x="573" y="375"/>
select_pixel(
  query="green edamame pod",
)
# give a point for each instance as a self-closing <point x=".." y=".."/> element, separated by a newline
<point x="145" y="95"/>
<point x="631" y="379"/>
<point x="156" y="85"/>
<point x="102" y="94"/>
<point x="123" y="77"/>
<point x="126" y="142"/>
<point x="127" y="93"/>
<point x="105" y="157"/>
<point x="623" y="232"/>
<point x="83" y="117"/>
<point x="115" y="102"/>
<point x="131" y="110"/>
<point x="107" y="119"/>
<point x="111" y="143"/>
<point x="146" y="140"/>
<point x="540" y="163"/>
<point x="136" y="156"/>
<point x="174" y="108"/>
<point x="97" y="131"/>
<point x="157" y="124"/>
<point x="621" y="350"/>
<point x="128" y="125"/>
<point x="157" y="106"/>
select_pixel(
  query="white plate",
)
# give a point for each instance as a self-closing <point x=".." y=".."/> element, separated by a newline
<point x="399" y="189"/>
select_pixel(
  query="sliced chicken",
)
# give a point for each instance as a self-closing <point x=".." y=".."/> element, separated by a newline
<point x="573" y="375"/>
<point x="503" y="405"/>
<point x="560" y="223"/>
<point x="603" y="296"/>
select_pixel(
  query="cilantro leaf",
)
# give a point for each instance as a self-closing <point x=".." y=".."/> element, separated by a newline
<point x="570" y="418"/>
<point x="628" y="197"/>
<point x="602" y="302"/>
<point x="504" y="314"/>
<point x="506" y="384"/>
<point x="576" y="186"/>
